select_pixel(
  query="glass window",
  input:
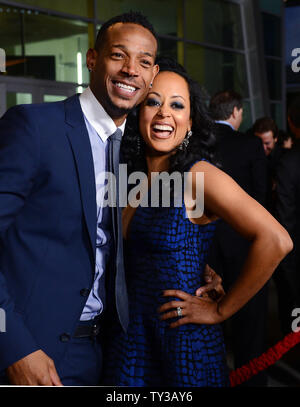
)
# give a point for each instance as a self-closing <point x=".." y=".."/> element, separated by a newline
<point x="217" y="70"/>
<point x="165" y="15"/>
<point x="11" y="22"/>
<point x="277" y="113"/>
<point x="13" y="99"/>
<point x="82" y="8"/>
<point x="292" y="35"/>
<point x="54" y="98"/>
<point x="54" y="47"/>
<point x="273" y="6"/>
<point x="272" y="34"/>
<point x="214" y="21"/>
<point x="274" y="78"/>
<point x="171" y="48"/>
<point x="247" y="117"/>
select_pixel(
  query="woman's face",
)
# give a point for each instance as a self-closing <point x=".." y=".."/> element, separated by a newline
<point x="165" y="114"/>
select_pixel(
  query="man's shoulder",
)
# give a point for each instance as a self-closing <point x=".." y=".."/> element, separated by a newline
<point x="235" y="137"/>
<point x="292" y="157"/>
<point x="38" y="110"/>
<point x="45" y="115"/>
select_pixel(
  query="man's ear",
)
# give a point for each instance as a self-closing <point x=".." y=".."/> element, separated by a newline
<point x="91" y="57"/>
<point x="235" y="112"/>
<point x="155" y="72"/>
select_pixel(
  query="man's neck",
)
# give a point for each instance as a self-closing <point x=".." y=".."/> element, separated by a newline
<point x="118" y="118"/>
<point x="227" y="123"/>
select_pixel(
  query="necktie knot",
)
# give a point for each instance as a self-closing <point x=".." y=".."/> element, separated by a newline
<point x="116" y="136"/>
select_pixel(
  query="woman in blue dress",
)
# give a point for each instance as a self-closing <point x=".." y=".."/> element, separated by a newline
<point x="175" y="338"/>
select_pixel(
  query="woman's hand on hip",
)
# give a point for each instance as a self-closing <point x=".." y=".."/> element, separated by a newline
<point x="194" y="310"/>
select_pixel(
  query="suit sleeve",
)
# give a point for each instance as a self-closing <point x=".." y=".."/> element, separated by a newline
<point x="19" y="158"/>
<point x="259" y="172"/>
<point x="286" y="203"/>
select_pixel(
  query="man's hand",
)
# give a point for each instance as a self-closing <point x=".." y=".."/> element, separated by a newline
<point x="213" y="288"/>
<point x="36" y="369"/>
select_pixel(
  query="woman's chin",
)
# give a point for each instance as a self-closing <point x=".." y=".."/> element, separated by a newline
<point x="161" y="150"/>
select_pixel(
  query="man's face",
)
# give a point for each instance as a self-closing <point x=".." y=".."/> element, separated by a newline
<point x="123" y="68"/>
<point x="268" y="141"/>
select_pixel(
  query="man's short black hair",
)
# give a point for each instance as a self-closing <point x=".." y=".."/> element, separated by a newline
<point x="134" y="17"/>
<point x="223" y="103"/>
<point x="294" y="112"/>
<point x="265" y="124"/>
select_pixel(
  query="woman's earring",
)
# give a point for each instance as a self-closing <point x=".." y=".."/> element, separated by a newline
<point x="151" y="84"/>
<point x="90" y="69"/>
<point x="185" y="142"/>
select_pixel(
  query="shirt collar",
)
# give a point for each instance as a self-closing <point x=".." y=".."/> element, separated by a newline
<point x="224" y="122"/>
<point x="97" y="116"/>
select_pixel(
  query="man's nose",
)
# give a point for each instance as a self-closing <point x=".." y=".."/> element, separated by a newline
<point x="130" y="67"/>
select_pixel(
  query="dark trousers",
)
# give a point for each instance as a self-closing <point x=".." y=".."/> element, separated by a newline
<point x="245" y="332"/>
<point x="82" y="362"/>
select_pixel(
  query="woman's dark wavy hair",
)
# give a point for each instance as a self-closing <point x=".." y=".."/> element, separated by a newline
<point x="201" y="143"/>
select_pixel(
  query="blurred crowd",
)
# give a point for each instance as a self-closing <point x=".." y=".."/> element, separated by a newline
<point x="265" y="162"/>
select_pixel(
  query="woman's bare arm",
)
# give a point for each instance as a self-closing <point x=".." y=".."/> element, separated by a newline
<point x="270" y="243"/>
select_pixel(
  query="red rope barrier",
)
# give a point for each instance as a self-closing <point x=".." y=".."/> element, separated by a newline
<point x="265" y="360"/>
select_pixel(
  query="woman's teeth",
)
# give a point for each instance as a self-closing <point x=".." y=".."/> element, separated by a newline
<point x="161" y="127"/>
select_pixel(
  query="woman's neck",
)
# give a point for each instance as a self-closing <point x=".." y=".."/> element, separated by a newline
<point x="158" y="163"/>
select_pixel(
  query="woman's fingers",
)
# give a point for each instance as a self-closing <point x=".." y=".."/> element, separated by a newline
<point x="170" y="305"/>
<point x="176" y="293"/>
<point x="213" y="287"/>
<point x="179" y="322"/>
<point x="172" y="314"/>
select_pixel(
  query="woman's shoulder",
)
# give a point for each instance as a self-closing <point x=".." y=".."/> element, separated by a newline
<point x="202" y="165"/>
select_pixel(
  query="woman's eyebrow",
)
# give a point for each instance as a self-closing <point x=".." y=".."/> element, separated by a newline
<point x="155" y="93"/>
<point x="177" y="96"/>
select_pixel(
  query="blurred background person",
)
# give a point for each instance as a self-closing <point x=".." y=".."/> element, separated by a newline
<point x="242" y="157"/>
<point x="266" y="129"/>
<point x="285" y="140"/>
<point x="287" y="276"/>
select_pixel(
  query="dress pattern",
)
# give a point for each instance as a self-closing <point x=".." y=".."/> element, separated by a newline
<point x="164" y="251"/>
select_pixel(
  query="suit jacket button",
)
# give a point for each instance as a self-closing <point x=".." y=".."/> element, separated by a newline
<point x="85" y="292"/>
<point x="64" y="337"/>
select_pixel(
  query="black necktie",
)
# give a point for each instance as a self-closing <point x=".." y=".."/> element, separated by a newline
<point x="120" y="283"/>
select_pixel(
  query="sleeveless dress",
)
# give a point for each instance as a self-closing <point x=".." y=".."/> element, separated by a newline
<point x="164" y="251"/>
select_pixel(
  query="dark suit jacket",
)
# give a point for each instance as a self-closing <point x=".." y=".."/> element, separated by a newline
<point x="288" y="209"/>
<point x="47" y="226"/>
<point x="242" y="157"/>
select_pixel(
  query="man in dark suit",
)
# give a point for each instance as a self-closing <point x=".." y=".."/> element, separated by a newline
<point x="242" y="157"/>
<point x="56" y="238"/>
<point x="266" y="129"/>
<point x="287" y="276"/>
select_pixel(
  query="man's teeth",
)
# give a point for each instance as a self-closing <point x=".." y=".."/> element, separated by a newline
<point x="126" y="87"/>
<point x="162" y="127"/>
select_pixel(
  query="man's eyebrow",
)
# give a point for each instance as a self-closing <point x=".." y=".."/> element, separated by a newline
<point x="148" y="54"/>
<point x="125" y="48"/>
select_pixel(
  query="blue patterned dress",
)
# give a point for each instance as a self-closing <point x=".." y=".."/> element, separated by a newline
<point x="164" y="251"/>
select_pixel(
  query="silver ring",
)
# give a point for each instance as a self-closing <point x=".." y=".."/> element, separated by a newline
<point x="179" y="311"/>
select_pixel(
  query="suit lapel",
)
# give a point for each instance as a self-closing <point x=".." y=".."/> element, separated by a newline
<point x="80" y="143"/>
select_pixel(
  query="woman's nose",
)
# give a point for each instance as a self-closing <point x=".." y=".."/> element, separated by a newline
<point x="164" y="113"/>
